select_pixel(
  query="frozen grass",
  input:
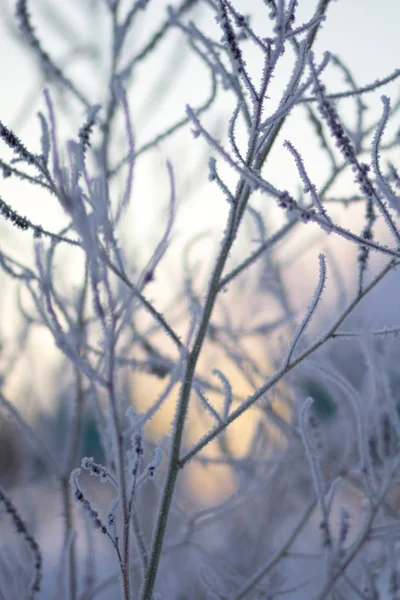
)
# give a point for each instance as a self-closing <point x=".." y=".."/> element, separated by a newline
<point x="271" y="471"/>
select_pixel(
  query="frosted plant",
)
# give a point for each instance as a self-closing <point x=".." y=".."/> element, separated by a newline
<point x="313" y="508"/>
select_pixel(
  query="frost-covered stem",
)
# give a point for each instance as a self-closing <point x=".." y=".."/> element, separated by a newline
<point x="158" y="36"/>
<point x="287" y="368"/>
<point x="66" y="488"/>
<point x="148" y="305"/>
<point x="183" y="403"/>
<point x="236" y="212"/>
<point x="267" y="245"/>
<point x="68" y="529"/>
<point x="139" y="538"/>
<point x="22" y="529"/>
<point x="112" y="102"/>
<point x="263" y="152"/>
<point x="254" y="160"/>
<point x="119" y="447"/>
<point x="76" y="428"/>
<point x="317" y="296"/>
<point x="69" y="523"/>
<point x="73" y="448"/>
